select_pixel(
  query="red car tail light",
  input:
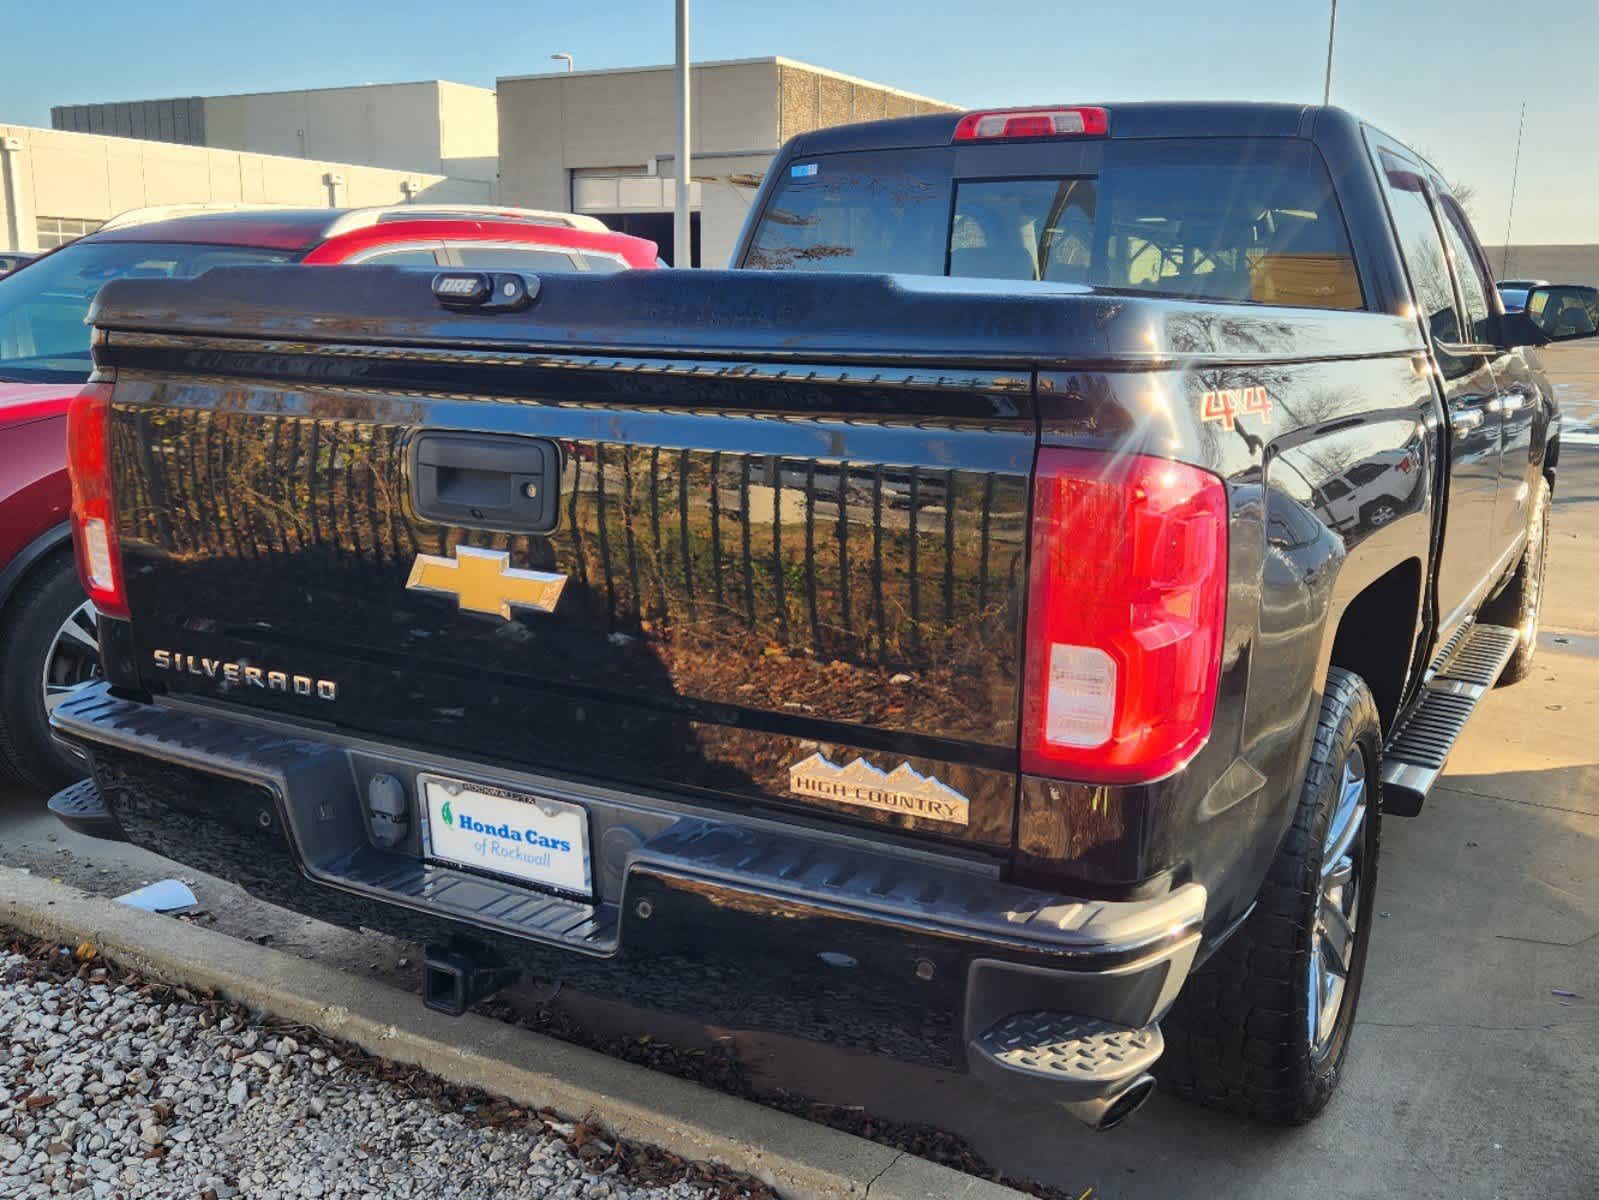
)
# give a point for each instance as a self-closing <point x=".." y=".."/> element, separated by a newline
<point x="1126" y="599"/>
<point x="1048" y="122"/>
<point x="94" y="522"/>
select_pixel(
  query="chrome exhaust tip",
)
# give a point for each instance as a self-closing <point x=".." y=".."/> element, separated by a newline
<point x="1107" y="1112"/>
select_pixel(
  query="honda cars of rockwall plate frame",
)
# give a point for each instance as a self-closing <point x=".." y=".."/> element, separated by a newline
<point x="985" y="628"/>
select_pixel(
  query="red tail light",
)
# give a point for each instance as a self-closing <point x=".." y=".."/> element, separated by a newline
<point x="1124" y="625"/>
<point x="1032" y="123"/>
<point x="94" y="522"/>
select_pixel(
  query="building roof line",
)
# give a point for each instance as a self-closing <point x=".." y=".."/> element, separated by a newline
<point x="774" y="59"/>
<point x="560" y="74"/>
<point x="28" y="131"/>
<point x="340" y="87"/>
<point x="871" y="83"/>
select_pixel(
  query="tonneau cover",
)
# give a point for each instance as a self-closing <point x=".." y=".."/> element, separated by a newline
<point x="751" y="314"/>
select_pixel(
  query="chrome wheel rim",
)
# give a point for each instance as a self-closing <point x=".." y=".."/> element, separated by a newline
<point x="1381" y="515"/>
<point x="74" y="655"/>
<point x="1332" y="941"/>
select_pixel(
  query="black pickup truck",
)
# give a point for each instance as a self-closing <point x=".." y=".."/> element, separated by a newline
<point x="984" y="628"/>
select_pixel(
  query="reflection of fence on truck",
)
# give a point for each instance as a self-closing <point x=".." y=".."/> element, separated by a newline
<point x="857" y="560"/>
<point x="866" y="561"/>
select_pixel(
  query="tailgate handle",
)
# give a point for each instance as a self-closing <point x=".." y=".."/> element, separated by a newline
<point x="486" y="481"/>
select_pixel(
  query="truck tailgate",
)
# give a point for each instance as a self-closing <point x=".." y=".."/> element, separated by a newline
<point x="792" y="585"/>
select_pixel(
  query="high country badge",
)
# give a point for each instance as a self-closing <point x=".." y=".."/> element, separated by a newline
<point x="901" y="790"/>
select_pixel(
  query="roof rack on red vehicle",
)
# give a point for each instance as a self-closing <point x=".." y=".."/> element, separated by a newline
<point x="364" y="218"/>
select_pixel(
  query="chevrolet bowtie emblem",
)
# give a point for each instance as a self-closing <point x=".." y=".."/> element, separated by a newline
<point x="484" y="581"/>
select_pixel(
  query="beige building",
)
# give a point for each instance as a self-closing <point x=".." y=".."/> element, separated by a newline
<point x="55" y="186"/>
<point x="1557" y="264"/>
<point x="595" y="142"/>
<point x="602" y="142"/>
<point x="435" y="127"/>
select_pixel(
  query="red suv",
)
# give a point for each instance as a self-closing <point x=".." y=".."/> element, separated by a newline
<point x="47" y="628"/>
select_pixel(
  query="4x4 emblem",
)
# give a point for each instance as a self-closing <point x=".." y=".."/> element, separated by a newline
<point x="484" y="581"/>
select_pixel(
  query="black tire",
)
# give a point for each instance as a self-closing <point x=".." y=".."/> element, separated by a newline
<point x="45" y="599"/>
<point x="1518" y="606"/>
<point x="1239" y="1036"/>
<point x="1377" y="513"/>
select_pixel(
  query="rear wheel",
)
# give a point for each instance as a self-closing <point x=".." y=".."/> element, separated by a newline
<point x="1379" y="512"/>
<point x="1262" y="1028"/>
<point x="48" y="646"/>
<point x="1519" y="604"/>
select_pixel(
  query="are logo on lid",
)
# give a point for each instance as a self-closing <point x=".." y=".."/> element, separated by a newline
<point x="458" y="285"/>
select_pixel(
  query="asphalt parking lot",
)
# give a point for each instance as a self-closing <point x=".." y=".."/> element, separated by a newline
<point x="1471" y="1072"/>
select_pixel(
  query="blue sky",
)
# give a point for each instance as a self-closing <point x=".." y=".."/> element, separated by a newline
<point x="1449" y="79"/>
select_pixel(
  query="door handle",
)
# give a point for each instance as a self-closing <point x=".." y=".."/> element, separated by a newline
<point x="486" y="481"/>
<point x="1464" y="420"/>
<point x="1510" y="402"/>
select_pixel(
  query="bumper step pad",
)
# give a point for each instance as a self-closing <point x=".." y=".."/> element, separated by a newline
<point x="1416" y="754"/>
<point x="491" y="903"/>
<point x="80" y="807"/>
<point x="1074" y="1055"/>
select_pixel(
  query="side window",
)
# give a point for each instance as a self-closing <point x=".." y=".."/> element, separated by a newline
<point x="408" y="256"/>
<point x="515" y="258"/>
<point x="603" y="264"/>
<point x="1474" y="282"/>
<point x="1422" y="246"/>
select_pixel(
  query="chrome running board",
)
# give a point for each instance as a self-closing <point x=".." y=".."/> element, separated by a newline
<point x="1419" y="748"/>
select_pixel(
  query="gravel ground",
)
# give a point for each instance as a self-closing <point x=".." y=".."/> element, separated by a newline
<point x="111" y="1087"/>
<point x="707" y="1056"/>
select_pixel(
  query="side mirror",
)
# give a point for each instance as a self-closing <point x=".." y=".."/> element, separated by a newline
<point x="1563" y="312"/>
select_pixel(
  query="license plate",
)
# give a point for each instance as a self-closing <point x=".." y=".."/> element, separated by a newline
<point x="528" y="838"/>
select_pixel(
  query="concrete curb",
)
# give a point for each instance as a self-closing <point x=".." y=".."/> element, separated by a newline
<point x="803" y="1161"/>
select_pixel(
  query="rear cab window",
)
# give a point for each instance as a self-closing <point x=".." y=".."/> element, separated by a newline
<point x="1250" y="221"/>
<point x="879" y="213"/>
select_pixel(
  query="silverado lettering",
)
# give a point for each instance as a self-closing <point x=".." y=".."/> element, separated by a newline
<point x="242" y="673"/>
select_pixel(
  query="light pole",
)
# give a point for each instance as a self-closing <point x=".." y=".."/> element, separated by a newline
<point x="566" y="58"/>
<point x="1332" y="32"/>
<point x="1510" y="216"/>
<point x="682" y="245"/>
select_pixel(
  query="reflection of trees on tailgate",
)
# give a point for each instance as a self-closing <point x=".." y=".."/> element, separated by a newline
<point x="811" y="578"/>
